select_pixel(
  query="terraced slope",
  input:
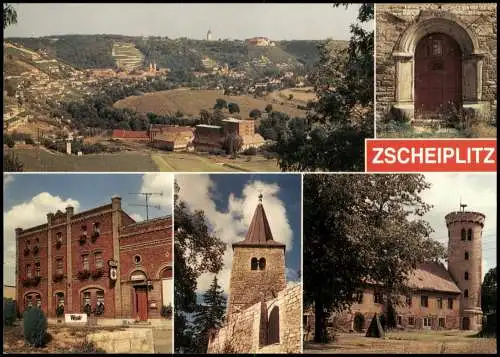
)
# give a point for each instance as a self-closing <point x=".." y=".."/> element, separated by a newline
<point x="127" y="57"/>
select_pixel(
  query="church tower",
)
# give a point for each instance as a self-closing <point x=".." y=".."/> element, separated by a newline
<point x="209" y="35"/>
<point x="465" y="258"/>
<point x="258" y="271"/>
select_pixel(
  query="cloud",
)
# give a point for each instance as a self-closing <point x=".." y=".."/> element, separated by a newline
<point x="231" y="226"/>
<point x="478" y="191"/>
<point x="159" y="183"/>
<point x="26" y="215"/>
<point x="7" y="178"/>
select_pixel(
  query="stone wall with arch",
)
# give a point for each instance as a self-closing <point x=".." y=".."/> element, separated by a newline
<point x="400" y="27"/>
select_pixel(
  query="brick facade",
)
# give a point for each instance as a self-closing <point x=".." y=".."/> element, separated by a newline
<point x="400" y="27"/>
<point x="73" y="255"/>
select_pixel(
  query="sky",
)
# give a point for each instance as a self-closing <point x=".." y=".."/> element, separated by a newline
<point x="229" y="202"/>
<point x="231" y="21"/>
<point x="478" y="191"/>
<point x="29" y="197"/>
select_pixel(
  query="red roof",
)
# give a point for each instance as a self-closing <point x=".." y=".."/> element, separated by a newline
<point x="130" y="134"/>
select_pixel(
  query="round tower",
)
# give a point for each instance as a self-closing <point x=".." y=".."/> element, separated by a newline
<point x="209" y="35"/>
<point x="465" y="262"/>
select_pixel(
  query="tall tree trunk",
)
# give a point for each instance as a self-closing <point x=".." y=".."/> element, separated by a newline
<point x="319" y="322"/>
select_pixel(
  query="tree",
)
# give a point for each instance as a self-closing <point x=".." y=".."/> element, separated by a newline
<point x="342" y="117"/>
<point x="269" y="108"/>
<point x="205" y="116"/>
<point x="210" y="315"/>
<point x="369" y="225"/>
<point x="255" y="114"/>
<point x="232" y="143"/>
<point x="220" y="104"/>
<point x="489" y="291"/>
<point x="12" y="163"/>
<point x="197" y="251"/>
<point x="233" y="108"/>
<point x="9" y="15"/>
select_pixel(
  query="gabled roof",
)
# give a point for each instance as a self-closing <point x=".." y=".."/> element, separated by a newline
<point x="259" y="233"/>
<point x="432" y="277"/>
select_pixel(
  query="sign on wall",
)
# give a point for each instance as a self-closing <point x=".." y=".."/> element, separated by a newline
<point x="75" y="318"/>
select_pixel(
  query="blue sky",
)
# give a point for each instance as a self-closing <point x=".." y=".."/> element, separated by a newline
<point x="29" y="197"/>
<point x="229" y="202"/>
<point x="231" y="21"/>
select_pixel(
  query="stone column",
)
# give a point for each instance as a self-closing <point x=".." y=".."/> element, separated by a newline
<point x="49" y="265"/>
<point x="116" y="203"/>
<point x="69" y="258"/>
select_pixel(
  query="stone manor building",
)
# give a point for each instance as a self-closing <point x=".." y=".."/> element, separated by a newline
<point x="263" y="312"/>
<point x="439" y="298"/>
<point x="100" y="262"/>
<point x="429" y="55"/>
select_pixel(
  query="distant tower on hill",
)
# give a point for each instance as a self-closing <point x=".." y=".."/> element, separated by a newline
<point x="465" y="230"/>
<point x="209" y="35"/>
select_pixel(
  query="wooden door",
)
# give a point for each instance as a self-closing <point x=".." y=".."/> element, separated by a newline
<point x="438" y="74"/>
<point x="141" y="298"/>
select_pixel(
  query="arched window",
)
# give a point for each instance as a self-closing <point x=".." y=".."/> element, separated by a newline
<point x="38" y="300"/>
<point x="463" y="233"/>
<point x="466" y="275"/>
<point x="86" y="302"/>
<point x="59" y="304"/>
<point x="469" y="234"/>
<point x="262" y="263"/>
<point x="466" y="256"/>
<point x="273" y="330"/>
<point x="254" y="263"/>
<point x="466" y="293"/>
<point x="99" y="308"/>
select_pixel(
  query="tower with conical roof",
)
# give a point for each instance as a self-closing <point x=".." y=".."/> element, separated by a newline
<point x="465" y="230"/>
<point x="258" y="271"/>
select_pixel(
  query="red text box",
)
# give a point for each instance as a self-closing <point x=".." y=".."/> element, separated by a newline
<point x="430" y="155"/>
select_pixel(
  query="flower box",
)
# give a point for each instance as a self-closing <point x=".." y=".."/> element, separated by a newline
<point x="83" y="274"/>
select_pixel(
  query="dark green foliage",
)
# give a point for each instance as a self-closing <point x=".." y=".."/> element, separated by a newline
<point x="232" y="143"/>
<point x="35" y="327"/>
<point x="210" y="315"/>
<point x="392" y="317"/>
<point x="9" y="15"/>
<point x="489" y="291"/>
<point x="375" y="329"/>
<point x="206" y="250"/>
<point x="220" y="104"/>
<point x="250" y="151"/>
<point x="9" y="312"/>
<point x="233" y="108"/>
<point x="274" y="126"/>
<point x="489" y="328"/>
<point x="8" y="140"/>
<point x="255" y="114"/>
<point x="363" y="223"/>
<point x="359" y="322"/>
<point x="166" y="311"/>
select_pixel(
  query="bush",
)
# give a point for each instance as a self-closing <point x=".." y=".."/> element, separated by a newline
<point x="9" y="311"/>
<point x="166" y="311"/>
<point x="35" y="327"/>
<point x="86" y="347"/>
<point x="250" y="151"/>
<point x="60" y="311"/>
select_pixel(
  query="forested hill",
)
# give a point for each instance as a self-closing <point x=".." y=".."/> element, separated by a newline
<point x="96" y="51"/>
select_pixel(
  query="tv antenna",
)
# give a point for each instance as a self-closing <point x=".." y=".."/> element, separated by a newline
<point x="147" y="195"/>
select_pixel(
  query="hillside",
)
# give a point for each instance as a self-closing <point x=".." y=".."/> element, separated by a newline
<point x="96" y="51"/>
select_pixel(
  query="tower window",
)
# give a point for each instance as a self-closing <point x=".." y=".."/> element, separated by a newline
<point x="466" y="256"/>
<point x="466" y="293"/>
<point x="463" y="233"/>
<point x="469" y="234"/>
<point x="450" y="303"/>
<point x="262" y="264"/>
<point x="466" y="275"/>
<point x="254" y="264"/>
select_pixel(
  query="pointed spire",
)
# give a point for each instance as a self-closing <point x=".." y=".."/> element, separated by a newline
<point x="259" y="232"/>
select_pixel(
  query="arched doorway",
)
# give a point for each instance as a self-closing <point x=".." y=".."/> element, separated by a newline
<point x="438" y="75"/>
<point x="273" y="331"/>
<point x="140" y="295"/>
<point x="465" y="323"/>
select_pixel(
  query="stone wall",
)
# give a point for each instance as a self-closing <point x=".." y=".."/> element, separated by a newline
<point x="136" y="340"/>
<point x="245" y="332"/>
<point x="392" y="20"/>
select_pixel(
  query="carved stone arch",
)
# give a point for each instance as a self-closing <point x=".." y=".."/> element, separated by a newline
<point x="161" y="268"/>
<point x="134" y="270"/>
<point x="427" y="23"/>
<point x="32" y="292"/>
<point x="91" y="286"/>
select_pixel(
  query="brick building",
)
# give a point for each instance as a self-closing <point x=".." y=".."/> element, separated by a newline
<point x="428" y="55"/>
<point x="439" y="298"/>
<point x="99" y="260"/>
<point x="211" y="137"/>
<point x="263" y="312"/>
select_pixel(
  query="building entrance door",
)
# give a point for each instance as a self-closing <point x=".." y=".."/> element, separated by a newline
<point x="141" y="300"/>
<point x="438" y="75"/>
<point x="466" y="323"/>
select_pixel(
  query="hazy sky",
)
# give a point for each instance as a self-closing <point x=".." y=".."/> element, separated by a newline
<point x="232" y="21"/>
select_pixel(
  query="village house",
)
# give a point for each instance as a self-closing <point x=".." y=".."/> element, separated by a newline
<point x="100" y="262"/>
<point x="263" y="311"/>
<point x="439" y="297"/>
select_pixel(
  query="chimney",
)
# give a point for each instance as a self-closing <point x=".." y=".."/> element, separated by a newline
<point x="50" y="217"/>
<point x="69" y="211"/>
<point x="116" y="202"/>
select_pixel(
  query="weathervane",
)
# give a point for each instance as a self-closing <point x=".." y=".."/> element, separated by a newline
<point x="260" y="197"/>
<point x="462" y="205"/>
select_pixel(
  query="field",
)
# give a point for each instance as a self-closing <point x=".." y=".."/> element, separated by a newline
<point x="39" y="159"/>
<point x="190" y="102"/>
<point x="408" y="342"/>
